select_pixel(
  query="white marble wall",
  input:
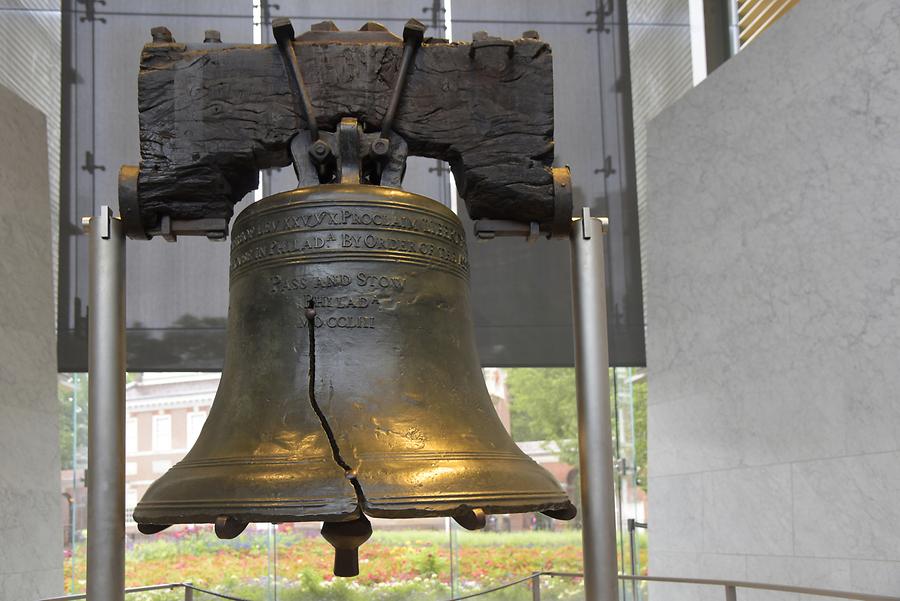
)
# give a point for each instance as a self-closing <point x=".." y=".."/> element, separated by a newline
<point x="773" y="311"/>
<point x="30" y="503"/>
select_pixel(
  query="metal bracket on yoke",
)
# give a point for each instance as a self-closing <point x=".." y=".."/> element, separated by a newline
<point x="214" y="228"/>
<point x="558" y="227"/>
<point x="480" y="39"/>
<point x="349" y="154"/>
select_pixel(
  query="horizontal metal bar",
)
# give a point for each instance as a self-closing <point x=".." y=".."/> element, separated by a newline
<point x="563" y="574"/>
<point x="137" y="589"/>
<point x="497" y="588"/>
<point x="213" y="593"/>
<point x="819" y="592"/>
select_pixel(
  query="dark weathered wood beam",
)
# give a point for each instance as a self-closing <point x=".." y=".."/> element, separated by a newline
<point x="213" y="115"/>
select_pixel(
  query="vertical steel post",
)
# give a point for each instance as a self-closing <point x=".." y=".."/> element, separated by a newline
<point x="106" y="410"/>
<point x="454" y="557"/>
<point x="633" y="551"/>
<point x="730" y="593"/>
<point x="272" y="578"/>
<point x="73" y="514"/>
<point x="536" y="587"/>
<point x="594" y="430"/>
<point x="188" y="593"/>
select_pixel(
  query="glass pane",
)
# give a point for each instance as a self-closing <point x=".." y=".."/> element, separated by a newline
<point x="179" y="325"/>
<point x="538" y="405"/>
<point x="73" y="396"/>
<point x="521" y="292"/>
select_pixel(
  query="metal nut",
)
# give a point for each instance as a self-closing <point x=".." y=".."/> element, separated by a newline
<point x="320" y="150"/>
<point x="162" y="35"/>
<point x="282" y="29"/>
<point x="324" y="26"/>
<point x="381" y="147"/>
<point x="413" y="32"/>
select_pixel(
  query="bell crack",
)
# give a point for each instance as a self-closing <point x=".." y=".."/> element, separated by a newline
<point x="349" y="472"/>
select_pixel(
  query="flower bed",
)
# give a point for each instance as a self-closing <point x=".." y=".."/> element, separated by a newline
<point x="394" y="565"/>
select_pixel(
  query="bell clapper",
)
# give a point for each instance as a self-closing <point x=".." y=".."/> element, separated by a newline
<point x="347" y="538"/>
<point x="471" y="519"/>
<point x="229" y="527"/>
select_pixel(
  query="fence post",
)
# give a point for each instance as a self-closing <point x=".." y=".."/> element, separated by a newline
<point x="536" y="586"/>
<point x="188" y="592"/>
<point x="730" y="593"/>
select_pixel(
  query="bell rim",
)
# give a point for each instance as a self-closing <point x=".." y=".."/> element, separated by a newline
<point x="281" y="514"/>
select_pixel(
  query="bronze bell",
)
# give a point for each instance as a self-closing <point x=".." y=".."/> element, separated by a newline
<point x="351" y="384"/>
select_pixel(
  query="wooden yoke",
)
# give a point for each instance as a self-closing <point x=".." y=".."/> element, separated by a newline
<point x="212" y="115"/>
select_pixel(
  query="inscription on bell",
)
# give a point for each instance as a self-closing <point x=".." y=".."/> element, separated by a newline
<point x="294" y="222"/>
<point x="395" y="231"/>
<point x="340" y="321"/>
<point x="281" y="285"/>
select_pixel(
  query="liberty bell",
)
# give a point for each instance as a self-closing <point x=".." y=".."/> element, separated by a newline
<point x="351" y="385"/>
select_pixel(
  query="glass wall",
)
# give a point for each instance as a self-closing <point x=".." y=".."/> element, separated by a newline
<point x="405" y="559"/>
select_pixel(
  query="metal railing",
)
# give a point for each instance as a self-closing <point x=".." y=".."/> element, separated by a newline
<point x="189" y="590"/>
<point x="730" y="588"/>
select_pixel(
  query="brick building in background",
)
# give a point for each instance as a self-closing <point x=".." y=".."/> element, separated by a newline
<point x="164" y="415"/>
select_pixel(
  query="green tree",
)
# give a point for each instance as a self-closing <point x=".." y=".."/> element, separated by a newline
<point x="639" y="392"/>
<point x="543" y="407"/>
<point x="72" y="391"/>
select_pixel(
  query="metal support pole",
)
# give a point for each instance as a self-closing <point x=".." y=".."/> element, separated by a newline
<point x="106" y="410"/>
<point x="594" y="430"/>
<point x="730" y="593"/>
<point x="73" y="504"/>
<point x="536" y="587"/>
<point x="633" y="551"/>
<point x="454" y="557"/>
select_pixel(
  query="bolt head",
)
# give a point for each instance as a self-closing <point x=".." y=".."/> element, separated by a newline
<point x="282" y="29"/>
<point x="319" y="150"/>
<point x="324" y="26"/>
<point x="373" y="26"/>
<point x="381" y="147"/>
<point x="161" y="35"/>
<point x="413" y="32"/>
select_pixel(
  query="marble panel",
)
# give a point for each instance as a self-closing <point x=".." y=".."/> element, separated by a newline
<point x="31" y="585"/>
<point x="748" y="511"/>
<point x="672" y="563"/>
<point x="694" y="565"/>
<point x="797" y="571"/>
<point x="848" y="507"/>
<point x="773" y="306"/>
<point x="676" y="510"/>
<point x="30" y="520"/>
<point x="694" y="435"/>
<point x="875" y="577"/>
